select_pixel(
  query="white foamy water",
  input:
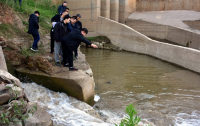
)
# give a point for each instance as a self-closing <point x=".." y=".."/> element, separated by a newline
<point x="59" y="105"/>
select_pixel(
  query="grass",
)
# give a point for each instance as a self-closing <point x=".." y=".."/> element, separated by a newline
<point x="47" y="11"/>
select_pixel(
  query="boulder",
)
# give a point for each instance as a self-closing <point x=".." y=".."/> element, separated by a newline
<point x="15" y="91"/>
<point x="4" y="98"/>
<point x="40" y="117"/>
<point x="8" y="78"/>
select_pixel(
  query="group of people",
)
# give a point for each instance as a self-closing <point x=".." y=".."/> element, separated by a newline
<point x="66" y="35"/>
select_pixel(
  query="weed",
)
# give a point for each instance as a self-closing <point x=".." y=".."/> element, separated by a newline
<point x="15" y="113"/>
<point x="130" y="119"/>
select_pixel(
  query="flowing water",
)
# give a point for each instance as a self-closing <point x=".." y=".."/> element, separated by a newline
<point x="163" y="93"/>
<point x="65" y="110"/>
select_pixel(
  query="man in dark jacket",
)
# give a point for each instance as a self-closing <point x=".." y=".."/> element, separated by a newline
<point x="62" y="7"/>
<point x="54" y="20"/>
<point x="71" y="42"/>
<point x="33" y="29"/>
<point x="60" y="31"/>
<point x="78" y="22"/>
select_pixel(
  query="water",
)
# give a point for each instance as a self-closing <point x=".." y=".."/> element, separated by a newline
<point x="65" y="110"/>
<point x="163" y="93"/>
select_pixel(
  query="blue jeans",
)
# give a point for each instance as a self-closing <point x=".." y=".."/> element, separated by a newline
<point x="36" y="39"/>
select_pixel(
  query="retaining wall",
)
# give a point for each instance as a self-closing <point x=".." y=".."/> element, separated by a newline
<point x="131" y="40"/>
<point x="3" y="65"/>
<point x="178" y="35"/>
<point x="159" y="5"/>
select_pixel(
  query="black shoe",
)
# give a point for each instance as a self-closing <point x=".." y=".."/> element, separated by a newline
<point x="73" y="69"/>
<point x="58" y="64"/>
<point x="66" y="65"/>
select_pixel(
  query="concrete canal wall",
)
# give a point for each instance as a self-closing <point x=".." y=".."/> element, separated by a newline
<point x="177" y="35"/>
<point x="131" y="40"/>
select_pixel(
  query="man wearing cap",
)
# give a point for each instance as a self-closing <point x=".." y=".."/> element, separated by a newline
<point x="33" y="29"/>
<point x="62" y="7"/>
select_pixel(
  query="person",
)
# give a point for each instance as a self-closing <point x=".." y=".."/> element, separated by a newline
<point x="55" y="19"/>
<point x="72" y="24"/>
<point x="62" y="7"/>
<point x="79" y="26"/>
<point x="60" y="30"/>
<point x="71" y="41"/>
<point x="33" y="29"/>
<point x="78" y="22"/>
<point x="20" y="2"/>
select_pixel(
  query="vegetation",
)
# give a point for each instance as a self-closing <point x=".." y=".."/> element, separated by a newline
<point x="99" y="39"/>
<point x="47" y="11"/>
<point x="15" y="113"/>
<point x="131" y="119"/>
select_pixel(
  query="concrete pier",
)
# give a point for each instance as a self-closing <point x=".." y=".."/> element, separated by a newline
<point x="105" y="8"/>
<point x="126" y="7"/>
<point x="114" y="10"/>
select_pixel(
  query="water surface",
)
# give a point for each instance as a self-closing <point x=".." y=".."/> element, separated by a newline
<point x="163" y="93"/>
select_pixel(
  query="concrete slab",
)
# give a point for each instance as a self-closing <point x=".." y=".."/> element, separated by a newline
<point x="172" y="18"/>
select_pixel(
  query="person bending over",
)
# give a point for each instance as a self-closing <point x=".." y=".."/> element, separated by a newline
<point x="71" y="41"/>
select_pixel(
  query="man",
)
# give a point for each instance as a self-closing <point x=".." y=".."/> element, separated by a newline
<point x="72" y="24"/>
<point x="78" y="23"/>
<point x="71" y="41"/>
<point x="79" y="26"/>
<point x="62" y="7"/>
<point x="33" y="29"/>
<point x="60" y="31"/>
<point x="55" y="19"/>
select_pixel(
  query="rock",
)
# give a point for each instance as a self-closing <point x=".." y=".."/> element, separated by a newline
<point x="2" y="87"/>
<point x="3" y="42"/>
<point x="15" y="91"/>
<point x="4" y="98"/>
<point x="40" y="117"/>
<point x="8" y="78"/>
<point x="41" y="63"/>
<point x="98" y="44"/>
<point x="89" y="72"/>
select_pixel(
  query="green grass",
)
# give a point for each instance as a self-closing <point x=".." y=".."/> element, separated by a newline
<point x="47" y="11"/>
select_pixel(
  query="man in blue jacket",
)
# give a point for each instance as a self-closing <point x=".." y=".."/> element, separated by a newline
<point x="33" y="29"/>
<point x="62" y="7"/>
<point x="71" y="41"/>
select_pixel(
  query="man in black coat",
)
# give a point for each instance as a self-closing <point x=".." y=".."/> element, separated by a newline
<point x="33" y="29"/>
<point x="54" y="20"/>
<point x="71" y="42"/>
<point x="60" y="31"/>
